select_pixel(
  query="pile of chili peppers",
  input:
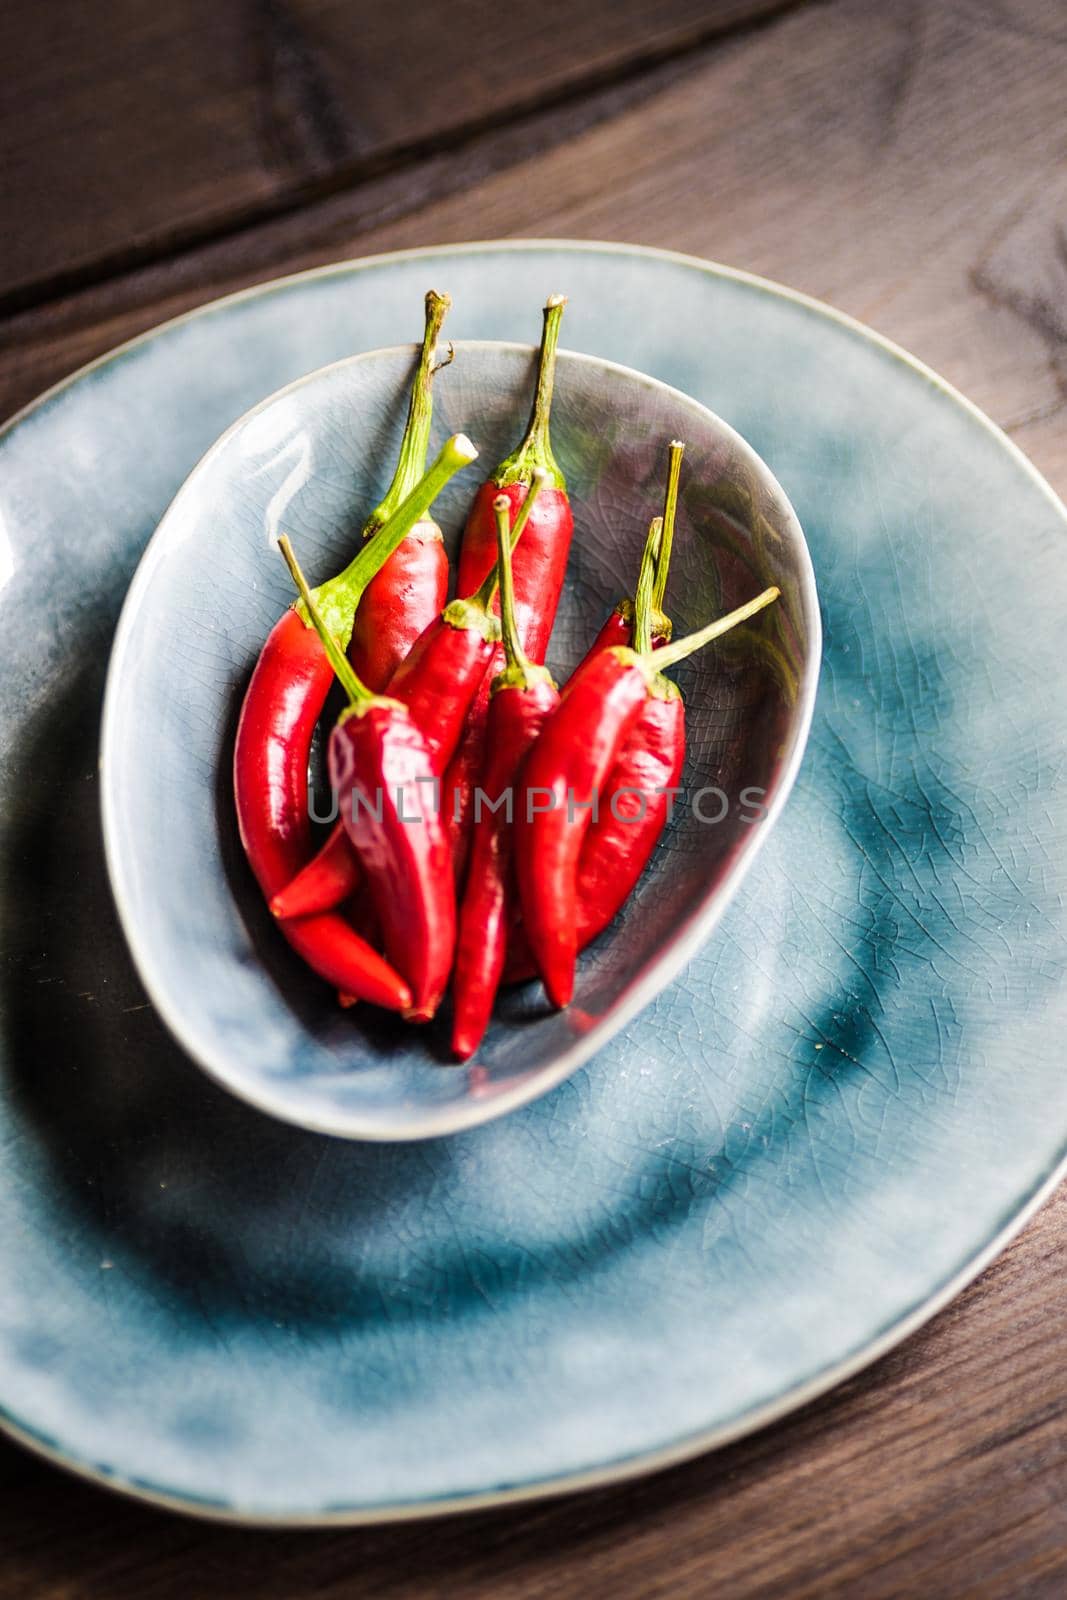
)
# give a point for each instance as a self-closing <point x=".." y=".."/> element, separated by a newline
<point x="490" y="826"/>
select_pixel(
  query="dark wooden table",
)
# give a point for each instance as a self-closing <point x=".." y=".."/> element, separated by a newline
<point x="906" y="161"/>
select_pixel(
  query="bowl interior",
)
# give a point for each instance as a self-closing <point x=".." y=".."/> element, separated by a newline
<point x="310" y="461"/>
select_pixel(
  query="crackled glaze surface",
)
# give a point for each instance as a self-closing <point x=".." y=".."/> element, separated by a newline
<point x="212" y="584"/>
<point x="814" y="1132"/>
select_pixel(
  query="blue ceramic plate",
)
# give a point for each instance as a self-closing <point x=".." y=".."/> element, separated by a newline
<point x="212" y="583"/>
<point x="825" y="1126"/>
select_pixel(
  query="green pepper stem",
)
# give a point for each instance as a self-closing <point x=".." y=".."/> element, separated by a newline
<point x="337" y="600"/>
<point x="514" y="653"/>
<point x="357" y="692"/>
<point x="411" y="462"/>
<point x="519" y="672"/>
<point x="485" y="595"/>
<point x="670" y="507"/>
<point x="669" y="654"/>
<point x="536" y="447"/>
<point x="643" y="593"/>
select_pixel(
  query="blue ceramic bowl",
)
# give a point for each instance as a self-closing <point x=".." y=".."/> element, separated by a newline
<point x="310" y="461"/>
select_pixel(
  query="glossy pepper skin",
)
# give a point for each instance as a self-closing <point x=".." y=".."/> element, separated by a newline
<point x="282" y="705"/>
<point x="407" y="594"/>
<point x="618" y="631"/>
<point x="516" y="717"/>
<point x="566" y="770"/>
<point x="398" y="605"/>
<point x="599" y="733"/>
<point x="540" y="560"/>
<point x="638" y="797"/>
<point x="536" y="602"/>
<point x="381" y="769"/>
<point x="436" y="682"/>
<point x="539" y="567"/>
<point x="576" y="753"/>
<point x="635" y="806"/>
<point x="463" y="773"/>
<point x="523" y="697"/>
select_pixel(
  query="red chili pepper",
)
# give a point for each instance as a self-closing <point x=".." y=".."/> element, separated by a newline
<point x="281" y="708"/>
<point x="436" y="682"/>
<point x="381" y="768"/>
<point x="564" y="778"/>
<point x="412" y="586"/>
<point x="523" y="696"/>
<point x="640" y="791"/>
<point x="634" y="808"/>
<point x="540" y="564"/>
<point x="619" y="627"/>
<point x="637" y="800"/>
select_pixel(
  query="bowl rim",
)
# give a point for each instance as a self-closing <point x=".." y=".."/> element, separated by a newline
<point x="469" y="1111"/>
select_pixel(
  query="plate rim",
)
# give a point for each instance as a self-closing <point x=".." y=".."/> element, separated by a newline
<point x="624" y="1469"/>
<point x="349" y="265"/>
<point x="702" y="1441"/>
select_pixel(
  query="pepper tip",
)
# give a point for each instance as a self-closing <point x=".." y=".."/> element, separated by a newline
<point x="423" y="1013"/>
<point x="559" y="986"/>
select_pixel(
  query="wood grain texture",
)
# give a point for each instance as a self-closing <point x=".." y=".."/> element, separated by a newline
<point x="838" y="192"/>
<point x="130" y="129"/>
<point x="907" y="164"/>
